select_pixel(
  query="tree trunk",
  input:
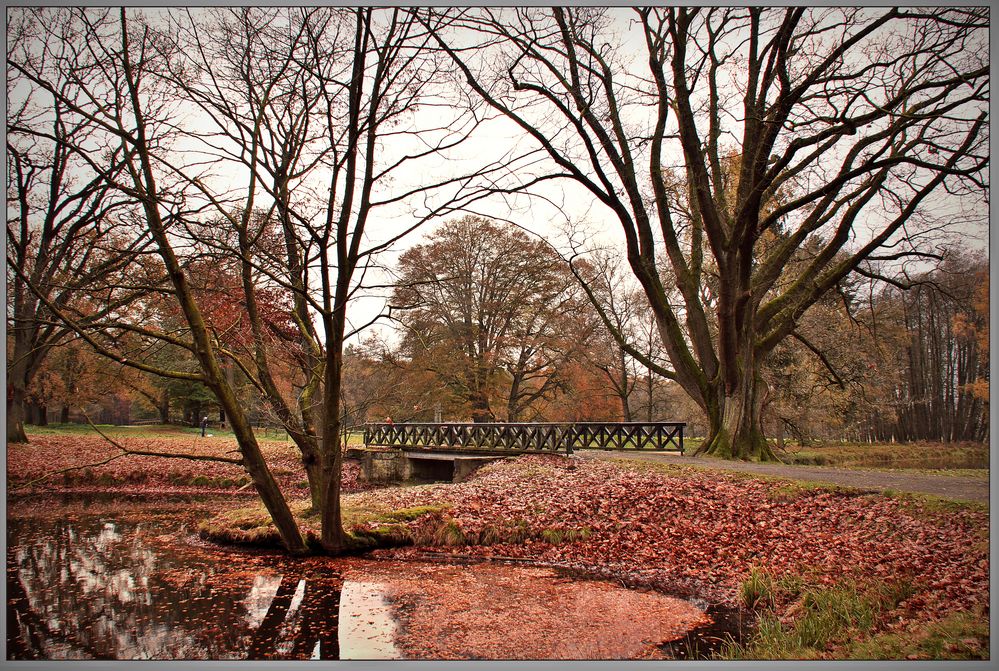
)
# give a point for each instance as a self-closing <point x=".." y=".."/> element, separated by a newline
<point x="164" y="407"/>
<point x="312" y="462"/>
<point x="735" y="426"/>
<point x="261" y="476"/>
<point x="15" y="418"/>
<point x="511" y="405"/>
<point x="625" y="407"/>
<point x="738" y="433"/>
<point x="64" y="415"/>
<point x="332" y="538"/>
<point x="34" y="415"/>
<point x="480" y="408"/>
<point x="624" y="390"/>
<point x="648" y="401"/>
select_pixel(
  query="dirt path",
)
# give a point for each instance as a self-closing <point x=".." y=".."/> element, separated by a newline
<point x="953" y="487"/>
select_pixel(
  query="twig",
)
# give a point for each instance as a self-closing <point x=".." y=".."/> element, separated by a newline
<point x="66" y="470"/>
<point x="168" y="455"/>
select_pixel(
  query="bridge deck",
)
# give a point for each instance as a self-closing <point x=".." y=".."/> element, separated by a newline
<point x="522" y="437"/>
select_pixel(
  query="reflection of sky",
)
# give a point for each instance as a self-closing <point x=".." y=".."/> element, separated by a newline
<point x="97" y="589"/>
<point x="367" y="625"/>
<point x="259" y="599"/>
<point x="86" y="588"/>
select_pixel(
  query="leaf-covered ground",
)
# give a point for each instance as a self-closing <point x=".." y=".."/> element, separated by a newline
<point x="705" y="531"/>
<point x="45" y="455"/>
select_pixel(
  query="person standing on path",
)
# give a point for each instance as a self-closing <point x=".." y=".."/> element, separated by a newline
<point x="204" y="425"/>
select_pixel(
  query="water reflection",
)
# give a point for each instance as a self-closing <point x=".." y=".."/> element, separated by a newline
<point x="369" y="626"/>
<point x="124" y="585"/>
<point x="92" y="588"/>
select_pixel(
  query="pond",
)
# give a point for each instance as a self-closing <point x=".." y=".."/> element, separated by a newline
<point x="129" y="580"/>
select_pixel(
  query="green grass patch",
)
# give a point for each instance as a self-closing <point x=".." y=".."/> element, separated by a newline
<point x="367" y="526"/>
<point x="559" y="536"/>
<point x="764" y="590"/>
<point x="378" y="527"/>
<point x="929" y="504"/>
<point x="819" y="620"/>
<point x="251" y="526"/>
<point x="785" y="488"/>
<point x="667" y="469"/>
<point x="263" y="434"/>
<point x="789" y="490"/>
<point x="906" y="456"/>
<point x="449" y="533"/>
<point x="410" y="514"/>
<point x="957" y="636"/>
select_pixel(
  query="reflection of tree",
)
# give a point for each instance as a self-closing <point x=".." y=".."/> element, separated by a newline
<point x="88" y="590"/>
<point x="23" y="641"/>
<point x="319" y="616"/>
<point x="267" y="635"/>
<point x="303" y="625"/>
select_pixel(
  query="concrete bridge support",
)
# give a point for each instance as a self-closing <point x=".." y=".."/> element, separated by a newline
<point x="380" y="464"/>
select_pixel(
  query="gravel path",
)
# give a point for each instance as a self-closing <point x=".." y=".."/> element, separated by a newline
<point x="952" y="487"/>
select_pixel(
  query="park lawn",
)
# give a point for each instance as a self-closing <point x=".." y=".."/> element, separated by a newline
<point x="969" y="458"/>
<point x="264" y="434"/>
<point x="69" y="456"/>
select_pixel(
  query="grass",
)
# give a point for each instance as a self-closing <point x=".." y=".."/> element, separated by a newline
<point x="763" y="590"/>
<point x="957" y="636"/>
<point x="115" y="431"/>
<point x="821" y="622"/>
<point x="250" y="526"/>
<point x="368" y="526"/>
<point x="848" y="621"/>
<point x="377" y="526"/>
<point x="931" y="457"/>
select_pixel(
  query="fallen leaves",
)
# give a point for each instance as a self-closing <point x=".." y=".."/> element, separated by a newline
<point x="496" y="611"/>
<point x="47" y="454"/>
<point x="710" y="529"/>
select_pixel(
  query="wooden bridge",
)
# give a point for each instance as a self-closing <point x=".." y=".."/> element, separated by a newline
<point x="520" y="437"/>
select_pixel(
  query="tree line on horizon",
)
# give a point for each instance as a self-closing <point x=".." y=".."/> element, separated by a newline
<point x="490" y="325"/>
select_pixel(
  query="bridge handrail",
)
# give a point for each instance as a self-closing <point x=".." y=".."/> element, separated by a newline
<point x="528" y="436"/>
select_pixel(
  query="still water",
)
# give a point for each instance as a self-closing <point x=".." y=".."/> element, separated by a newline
<point x="132" y="586"/>
<point x="129" y="580"/>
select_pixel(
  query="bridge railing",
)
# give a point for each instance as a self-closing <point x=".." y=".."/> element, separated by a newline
<point x="529" y="437"/>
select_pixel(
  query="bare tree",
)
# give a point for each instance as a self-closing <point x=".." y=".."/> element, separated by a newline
<point x="65" y="237"/>
<point x="933" y="399"/>
<point x="121" y="58"/>
<point x="848" y="130"/>
<point x="623" y="306"/>
<point x="326" y="111"/>
<point x="270" y="141"/>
